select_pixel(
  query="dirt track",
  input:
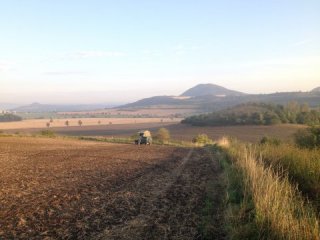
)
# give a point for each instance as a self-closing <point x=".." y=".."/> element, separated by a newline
<point x="63" y="189"/>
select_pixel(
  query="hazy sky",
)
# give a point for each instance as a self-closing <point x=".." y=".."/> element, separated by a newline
<point x="68" y="51"/>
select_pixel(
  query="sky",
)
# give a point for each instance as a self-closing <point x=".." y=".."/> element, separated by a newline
<point x="81" y="51"/>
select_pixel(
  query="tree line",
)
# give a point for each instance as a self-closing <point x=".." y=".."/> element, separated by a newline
<point x="259" y="114"/>
<point x="9" y="117"/>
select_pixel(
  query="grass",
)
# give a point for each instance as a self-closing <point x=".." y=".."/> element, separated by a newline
<point x="302" y="166"/>
<point x="47" y="133"/>
<point x="239" y="211"/>
<point x="262" y="203"/>
<point x="212" y="224"/>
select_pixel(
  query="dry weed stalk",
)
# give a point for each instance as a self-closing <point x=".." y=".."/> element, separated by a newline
<point x="281" y="211"/>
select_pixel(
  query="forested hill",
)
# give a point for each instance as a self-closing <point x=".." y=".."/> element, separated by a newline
<point x="258" y="114"/>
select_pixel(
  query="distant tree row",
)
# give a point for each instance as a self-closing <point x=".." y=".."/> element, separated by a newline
<point x="8" y="117"/>
<point x="258" y="114"/>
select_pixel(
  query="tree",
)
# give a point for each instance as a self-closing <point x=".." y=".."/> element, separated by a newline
<point x="305" y="108"/>
<point x="8" y="117"/>
<point x="66" y="123"/>
<point x="271" y="118"/>
<point x="163" y="134"/>
<point x="308" y="138"/>
<point x="80" y="123"/>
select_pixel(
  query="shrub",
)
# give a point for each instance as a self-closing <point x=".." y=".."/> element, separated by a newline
<point x="202" y="139"/>
<point x="308" y="138"/>
<point x="47" y="133"/>
<point x="163" y="135"/>
<point x="271" y="141"/>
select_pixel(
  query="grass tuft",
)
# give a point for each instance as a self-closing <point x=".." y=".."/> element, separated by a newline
<point x="270" y="207"/>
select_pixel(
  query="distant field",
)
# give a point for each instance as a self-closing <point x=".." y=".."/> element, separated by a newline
<point x="155" y="111"/>
<point x="126" y="127"/>
<point x="186" y="132"/>
<point x="41" y="123"/>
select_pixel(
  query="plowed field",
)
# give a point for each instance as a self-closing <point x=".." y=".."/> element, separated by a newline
<point x="67" y="189"/>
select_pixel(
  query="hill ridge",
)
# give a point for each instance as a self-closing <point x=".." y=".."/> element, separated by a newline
<point x="210" y="89"/>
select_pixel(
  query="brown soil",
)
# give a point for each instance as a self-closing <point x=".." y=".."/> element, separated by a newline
<point x="66" y="189"/>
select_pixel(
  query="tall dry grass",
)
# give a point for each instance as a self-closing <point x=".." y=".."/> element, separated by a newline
<point x="302" y="166"/>
<point x="280" y="210"/>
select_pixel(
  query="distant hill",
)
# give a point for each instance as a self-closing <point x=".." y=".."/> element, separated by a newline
<point x="210" y="89"/>
<point x="38" y="108"/>
<point x="316" y="89"/>
<point x="211" y="103"/>
<point x="202" y="98"/>
<point x="7" y="106"/>
<point x="153" y="101"/>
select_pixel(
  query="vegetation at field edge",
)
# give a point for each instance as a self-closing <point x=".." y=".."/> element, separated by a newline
<point x="301" y="165"/>
<point x="262" y="203"/>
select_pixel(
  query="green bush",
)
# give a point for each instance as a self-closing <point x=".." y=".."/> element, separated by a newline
<point x="308" y="138"/>
<point x="202" y="139"/>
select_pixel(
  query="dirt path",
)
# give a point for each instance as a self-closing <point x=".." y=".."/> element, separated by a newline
<point x="153" y="189"/>
<point x="70" y="189"/>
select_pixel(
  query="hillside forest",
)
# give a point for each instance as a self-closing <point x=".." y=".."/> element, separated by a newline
<point x="259" y="114"/>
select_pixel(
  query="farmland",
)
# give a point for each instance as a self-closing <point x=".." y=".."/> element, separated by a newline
<point x="127" y="127"/>
<point x="185" y="132"/>
<point x="62" y="188"/>
<point x="41" y="123"/>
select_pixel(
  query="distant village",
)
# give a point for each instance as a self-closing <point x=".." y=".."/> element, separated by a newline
<point x="7" y="112"/>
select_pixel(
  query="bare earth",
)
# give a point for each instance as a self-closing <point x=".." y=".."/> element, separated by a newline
<point x="68" y="189"/>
